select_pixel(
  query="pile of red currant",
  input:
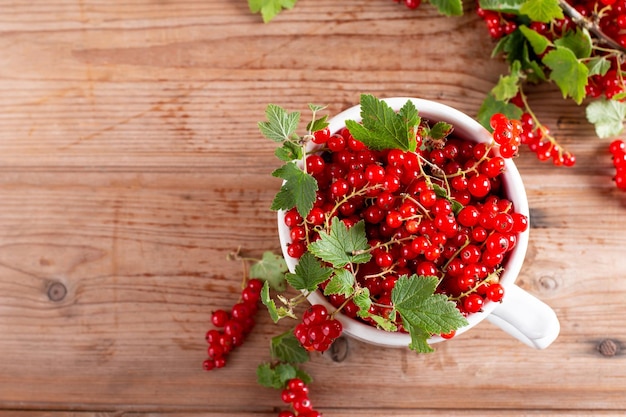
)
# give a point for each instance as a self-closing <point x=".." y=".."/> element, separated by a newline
<point x="232" y="327"/>
<point x="618" y="150"/>
<point x="440" y="211"/>
<point x="296" y="393"/>
<point x="318" y="329"/>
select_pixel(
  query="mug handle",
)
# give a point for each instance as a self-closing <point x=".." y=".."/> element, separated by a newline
<point x="526" y="318"/>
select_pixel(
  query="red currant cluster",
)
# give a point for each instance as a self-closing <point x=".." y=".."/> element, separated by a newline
<point x="233" y="326"/>
<point x="410" y="202"/>
<point x="618" y="150"/>
<point x="539" y="141"/>
<point x="296" y="393"/>
<point x="506" y="133"/>
<point x="318" y="329"/>
<point x="610" y="16"/>
<point x="411" y="4"/>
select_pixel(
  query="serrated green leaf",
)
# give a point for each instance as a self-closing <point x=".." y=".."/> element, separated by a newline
<point x="578" y="41"/>
<point x="381" y="127"/>
<point x="284" y="372"/>
<point x="383" y="323"/>
<point x="538" y="42"/>
<point x="448" y="7"/>
<point x="289" y="151"/>
<point x="276" y="313"/>
<point x="269" y="303"/>
<point x="363" y="301"/>
<point x="341" y="283"/>
<point x="270" y="268"/>
<point x="309" y="273"/>
<point x="503" y="6"/>
<point x="598" y="65"/>
<point x="542" y="10"/>
<point x="286" y="348"/>
<point x="532" y="68"/>
<point x="567" y="72"/>
<point x="440" y="130"/>
<point x="341" y="245"/>
<point x="318" y="124"/>
<point x="422" y="311"/>
<point x="280" y="125"/>
<point x="434" y="315"/>
<point x="410" y="292"/>
<point x="304" y="376"/>
<point x="270" y="8"/>
<point x="508" y="85"/>
<point x="316" y="107"/>
<point x="607" y="116"/>
<point x="265" y="376"/>
<point x="492" y="106"/>
<point x="419" y="340"/>
<point x="298" y="190"/>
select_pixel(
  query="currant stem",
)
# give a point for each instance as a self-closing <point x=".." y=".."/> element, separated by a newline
<point x="590" y="25"/>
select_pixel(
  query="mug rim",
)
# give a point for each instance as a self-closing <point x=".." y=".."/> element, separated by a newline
<point x="466" y="128"/>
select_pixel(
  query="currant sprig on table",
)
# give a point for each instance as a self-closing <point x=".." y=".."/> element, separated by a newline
<point x="578" y="45"/>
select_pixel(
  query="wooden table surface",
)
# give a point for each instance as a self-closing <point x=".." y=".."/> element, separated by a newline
<point x="131" y="165"/>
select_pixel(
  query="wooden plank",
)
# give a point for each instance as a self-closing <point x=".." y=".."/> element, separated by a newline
<point x="131" y="165"/>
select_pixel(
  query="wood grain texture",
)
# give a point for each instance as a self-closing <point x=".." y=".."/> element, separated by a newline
<point x="131" y="165"/>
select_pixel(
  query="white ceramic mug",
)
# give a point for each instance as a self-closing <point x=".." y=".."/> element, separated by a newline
<point x="520" y="314"/>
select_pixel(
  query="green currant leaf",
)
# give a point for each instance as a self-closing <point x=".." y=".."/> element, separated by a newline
<point x="382" y="128"/>
<point x="341" y="282"/>
<point x="297" y="190"/>
<point x="270" y="8"/>
<point x="578" y="41"/>
<point x="531" y="67"/>
<point x="280" y="125"/>
<point x="316" y="107"/>
<point x="268" y="302"/>
<point x="508" y="85"/>
<point x="410" y="292"/>
<point x="422" y="311"/>
<point x="419" y="339"/>
<point x="448" y="7"/>
<point x="304" y="376"/>
<point x="309" y="273"/>
<point x="506" y="6"/>
<point x="383" y="323"/>
<point x="598" y="65"/>
<point x="318" y="124"/>
<point x="607" y="116"/>
<point x="270" y="268"/>
<point x="538" y="42"/>
<point x="286" y="348"/>
<point x="439" y="131"/>
<point x="542" y="10"/>
<point x="341" y="245"/>
<point x="363" y="301"/>
<point x="289" y="151"/>
<point x="567" y="72"/>
<point x="276" y="313"/>
<point x="265" y="376"/>
<point x="492" y="106"/>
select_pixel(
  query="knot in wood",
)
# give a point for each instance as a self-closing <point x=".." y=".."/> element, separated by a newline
<point x="339" y="350"/>
<point x="57" y="291"/>
<point x="548" y="283"/>
<point x="608" y="347"/>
